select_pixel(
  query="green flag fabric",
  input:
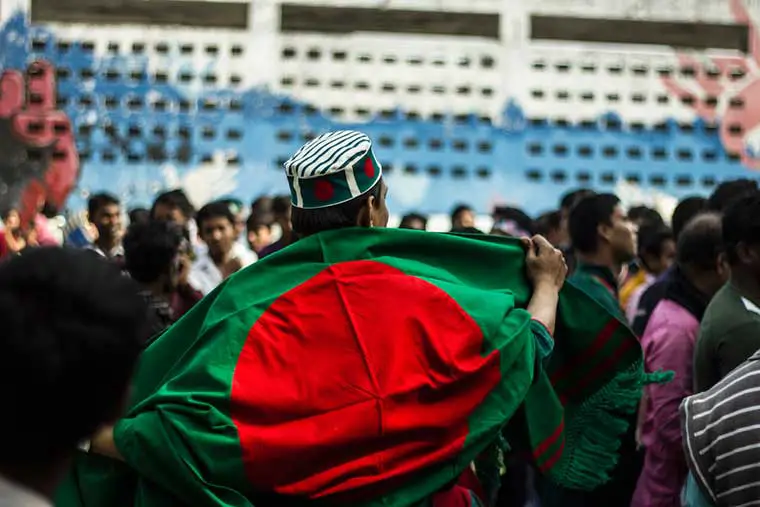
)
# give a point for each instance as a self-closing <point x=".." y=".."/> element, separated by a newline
<point x="365" y="367"/>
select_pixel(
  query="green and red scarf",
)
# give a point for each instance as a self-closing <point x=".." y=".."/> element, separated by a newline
<point x="366" y="367"/>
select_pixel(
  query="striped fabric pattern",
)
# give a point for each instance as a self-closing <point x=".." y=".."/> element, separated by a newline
<point x="721" y="429"/>
<point x="331" y="169"/>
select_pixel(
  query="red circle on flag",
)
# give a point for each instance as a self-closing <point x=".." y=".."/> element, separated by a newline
<point x="369" y="168"/>
<point x="352" y="383"/>
<point x="323" y="190"/>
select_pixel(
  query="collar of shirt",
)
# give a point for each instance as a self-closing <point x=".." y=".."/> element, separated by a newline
<point x="602" y="274"/>
<point x="14" y="494"/>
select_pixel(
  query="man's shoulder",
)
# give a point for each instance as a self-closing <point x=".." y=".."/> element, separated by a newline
<point x="726" y="313"/>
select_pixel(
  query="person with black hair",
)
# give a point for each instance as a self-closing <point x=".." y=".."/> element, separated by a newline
<point x="258" y="232"/>
<point x="281" y="211"/>
<point x="104" y="212"/>
<point x="549" y="225"/>
<point x="462" y="217"/>
<point x="604" y="240"/>
<point x="73" y="328"/>
<point x="566" y="204"/>
<point x="509" y="221"/>
<point x="730" y="331"/>
<point x="138" y="216"/>
<point x="152" y="257"/>
<point x="216" y="227"/>
<point x="173" y="206"/>
<point x="728" y="192"/>
<point x="656" y="252"/>
<point x="414" y="221"/>
<point x="686" y="210"/>
<point x="644" y="215"/>
<point x="668" y="344"/>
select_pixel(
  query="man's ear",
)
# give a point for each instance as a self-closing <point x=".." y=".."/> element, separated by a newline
<point x="604" y="231"/>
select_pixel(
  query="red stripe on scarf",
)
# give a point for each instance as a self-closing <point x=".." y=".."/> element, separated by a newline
<point x="549" y="441"/>
<point x="598" y="344"/>
<point x="597" y="371"/>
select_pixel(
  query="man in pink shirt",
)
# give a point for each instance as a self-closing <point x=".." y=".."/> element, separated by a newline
<point x="668" y="344"/>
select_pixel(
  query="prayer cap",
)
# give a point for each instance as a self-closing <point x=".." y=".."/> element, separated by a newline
<point x="331" y="169"/>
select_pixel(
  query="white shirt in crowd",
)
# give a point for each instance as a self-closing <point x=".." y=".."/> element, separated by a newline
<point x="205" y="276"/>
<point x="16" y="495"/>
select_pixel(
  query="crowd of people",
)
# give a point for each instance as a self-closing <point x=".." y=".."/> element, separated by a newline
<point x="687" y="285"/>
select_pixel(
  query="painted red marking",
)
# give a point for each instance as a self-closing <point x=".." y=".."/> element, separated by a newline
<point x="369" y="168"/>
<point x="355" y="380"/>
<point x="323" y="190"/>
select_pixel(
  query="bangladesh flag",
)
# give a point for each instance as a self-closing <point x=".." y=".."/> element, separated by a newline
<point x="366" y="367"/>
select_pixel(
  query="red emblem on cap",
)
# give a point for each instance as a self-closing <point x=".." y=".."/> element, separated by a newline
<point x="323" y="190"/>
<point x="369" y="167"/>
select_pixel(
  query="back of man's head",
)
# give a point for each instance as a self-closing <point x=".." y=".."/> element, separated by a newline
<point x="585" y="218"/>
<point x="700" y="242"/>
<point x="150" y="249"/>
<point x="728" y="192"/>
<point x="687" y="208"/>
<point x="73" y="328"/>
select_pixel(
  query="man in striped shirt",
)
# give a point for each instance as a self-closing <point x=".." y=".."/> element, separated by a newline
<point x="721" y="435"/>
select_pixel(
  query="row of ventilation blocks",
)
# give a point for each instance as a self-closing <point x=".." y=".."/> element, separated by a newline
<point x="184" y="155"/>
<point x="39" y="45"/>
<point x="138" y="77"/>
<point x="534" y="150"/>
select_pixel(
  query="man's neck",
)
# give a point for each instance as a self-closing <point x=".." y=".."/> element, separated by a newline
<point x="602" y="259"/>
<point x="106" y="246"/>
<point x="746" y="284"/>
<point x="219" y="259"/>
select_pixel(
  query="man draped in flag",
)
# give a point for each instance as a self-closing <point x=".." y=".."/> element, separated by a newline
<point x="366" y="366"/>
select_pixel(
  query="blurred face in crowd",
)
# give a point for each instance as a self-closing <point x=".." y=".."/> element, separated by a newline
<point x="465" y="219"/>
<point x="168" y="213"/>
<point x="13" y="220"/>
<point x="658" y="264"/>
<point x="219" y="234"/>
<point x="108" y="222"/>
<point x="416" y="224"/>
<point x="260" y="237"/>
<point x="620" y="233"/>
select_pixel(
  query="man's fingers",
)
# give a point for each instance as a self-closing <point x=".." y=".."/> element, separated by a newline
<point x="40" y="78"/>
<point x="11" y="93"/>
<point x="542" y="243"/>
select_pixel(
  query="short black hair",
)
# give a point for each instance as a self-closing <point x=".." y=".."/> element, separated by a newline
<point x="515" y="215"/>
<point x="411" y="217"/>
<point x="687" y="209"/>
<point x="585" y="218"/>
<point x="138" y="215"/>
<point x="741" y="224"/>
<point x="644" y="215"/>
<point x="573" y="197"/>
<point x="253" y="222"/>
<point x="652" y="238"/>
<point x="73" y="328"/>
<point x="150" y="249"/>
<point x="281" y="206"/>
<point x="547" y="222"/>
<point x="215" y="209"/>
<point x="728" y="192"/>
<point x="311" y="221"/>
<point x="97" y="201"/>
<point x="458" y="210"/>
<point x="701" y="242"/>
<point x="174" y="199"/>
